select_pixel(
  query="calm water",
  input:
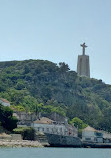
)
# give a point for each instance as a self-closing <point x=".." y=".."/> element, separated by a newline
<point x="54" y="153"/>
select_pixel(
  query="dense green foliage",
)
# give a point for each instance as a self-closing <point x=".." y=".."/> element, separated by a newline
<point x="27" y="133"/>
<point x="7" y="120"/>
<point x="37" y="85"/>
<point x="78" y="123"/>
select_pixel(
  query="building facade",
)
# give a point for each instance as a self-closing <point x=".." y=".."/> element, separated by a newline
<point x="47" y="125"/>
<point x="90" y="134"/>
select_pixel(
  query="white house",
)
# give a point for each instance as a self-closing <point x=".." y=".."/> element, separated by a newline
<point x="4" y="102"/>
<point x="90" y="134"/>
<point x="106" y="136"/>
<point x="47" y="125"/>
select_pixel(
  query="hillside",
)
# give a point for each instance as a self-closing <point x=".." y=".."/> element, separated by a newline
<point x="37" y="85"/>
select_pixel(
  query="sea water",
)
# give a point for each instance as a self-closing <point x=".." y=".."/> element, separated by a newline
<point x="54" y="153"/>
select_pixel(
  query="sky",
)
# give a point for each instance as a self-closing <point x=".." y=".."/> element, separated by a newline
<point x="54" y="29"/>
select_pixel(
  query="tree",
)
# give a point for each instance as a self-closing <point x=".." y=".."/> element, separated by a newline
<point x="78" y="123"/>
<point x="6" y="118"/>
<point x="63" y="67"/>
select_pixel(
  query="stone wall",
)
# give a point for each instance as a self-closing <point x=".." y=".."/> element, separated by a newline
<point x="25" y="118"/>
<point x="56" y="117"/>
<point x="16" y="137"/>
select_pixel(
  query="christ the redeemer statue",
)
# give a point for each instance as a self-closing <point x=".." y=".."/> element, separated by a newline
<point x="83" y="46"/>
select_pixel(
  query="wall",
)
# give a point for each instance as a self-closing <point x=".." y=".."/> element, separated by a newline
<point x="50" y="128"/>
<point x="56" y="117"/>
<point x="90" y="136"/>
<point x="25" y="118"/>
<point x="55" y="129"/>
<point x="16" y="137"/>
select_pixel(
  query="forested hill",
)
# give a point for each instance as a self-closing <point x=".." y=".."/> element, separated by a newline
<point x="37" y="85"/>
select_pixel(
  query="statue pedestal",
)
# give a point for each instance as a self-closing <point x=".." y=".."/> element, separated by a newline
<point x="83" y="68"/>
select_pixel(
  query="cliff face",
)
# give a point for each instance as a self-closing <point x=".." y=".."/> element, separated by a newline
<point x="42" y="86"/>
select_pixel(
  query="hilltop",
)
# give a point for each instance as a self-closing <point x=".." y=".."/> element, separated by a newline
<point x="38" y="85"/>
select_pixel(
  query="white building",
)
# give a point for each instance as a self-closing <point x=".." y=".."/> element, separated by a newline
<point x="90" y="134"/>
<point x="47" y="125"/>
<point x="106" y="136"/>
<point x="4" y="102"/>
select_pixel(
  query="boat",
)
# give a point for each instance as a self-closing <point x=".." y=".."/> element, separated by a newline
<point x="56" y="140"/>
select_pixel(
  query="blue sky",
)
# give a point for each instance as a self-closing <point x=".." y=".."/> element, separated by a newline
<point x="54" y="29"/>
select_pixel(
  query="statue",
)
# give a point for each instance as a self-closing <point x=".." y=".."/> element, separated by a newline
<point x="83" y="65"/>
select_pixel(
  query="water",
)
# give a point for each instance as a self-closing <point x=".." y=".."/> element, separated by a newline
<point x="54" y="153"/>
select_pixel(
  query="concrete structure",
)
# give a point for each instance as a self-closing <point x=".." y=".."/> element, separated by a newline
<point x="47" y="125"/>
<point x="56" y="117"/>
<point x="4" y="102"/>
<point x="17" y="137"/>
<point x="90" y="134"/>
<point x="25" y="118"/>
<point x="83" y="67"/>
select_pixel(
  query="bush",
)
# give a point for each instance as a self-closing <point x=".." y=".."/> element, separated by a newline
<point x="27" y="133"/>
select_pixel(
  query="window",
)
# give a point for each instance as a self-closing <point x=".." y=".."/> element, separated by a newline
<point x="47" y="129"/>
<point x="38" y="128"/>
<point x="98" y="134"/>
<point x="87" y="138"/>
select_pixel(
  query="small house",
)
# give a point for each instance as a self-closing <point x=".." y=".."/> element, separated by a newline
<point x="90" y="134"/>
<point x="106" y="136"/>
<point x="4" y="102"/>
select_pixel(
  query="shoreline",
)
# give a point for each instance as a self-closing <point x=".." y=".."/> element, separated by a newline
<point x="36" y="144"/>
<point x="18" y="143"/>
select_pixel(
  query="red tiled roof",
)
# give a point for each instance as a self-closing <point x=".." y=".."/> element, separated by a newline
<point x="44" y="120"/>
<point x="4" y="100"/>
<point x="88" y="128"/>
